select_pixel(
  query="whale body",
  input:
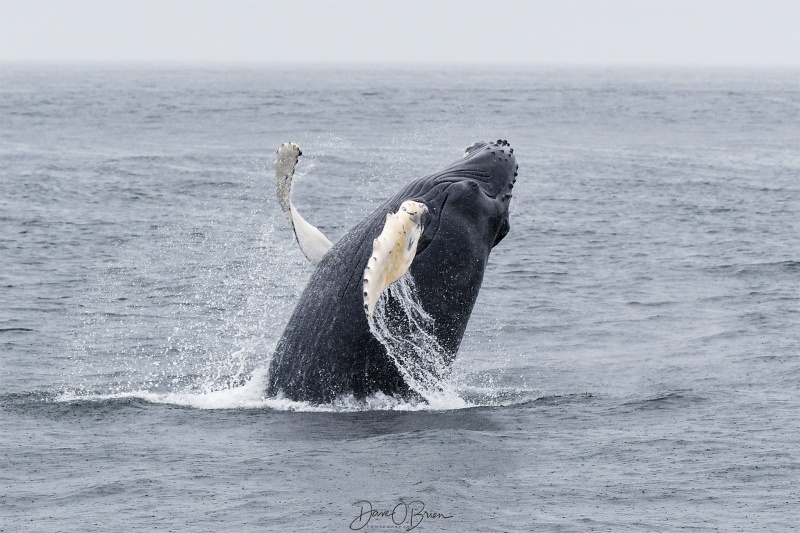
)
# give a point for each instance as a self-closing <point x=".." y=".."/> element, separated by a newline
<point x="327" y="349"/>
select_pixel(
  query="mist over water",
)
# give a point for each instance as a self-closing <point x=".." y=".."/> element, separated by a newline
<point x="631" y="362"/>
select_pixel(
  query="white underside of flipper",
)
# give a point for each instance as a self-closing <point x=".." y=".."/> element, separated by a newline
<point x="313" y="243"/>
<point x="393" y="251"/>
<point x="311" y="240"/>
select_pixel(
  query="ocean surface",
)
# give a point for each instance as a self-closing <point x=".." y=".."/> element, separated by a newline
<point x="632" y="362"/>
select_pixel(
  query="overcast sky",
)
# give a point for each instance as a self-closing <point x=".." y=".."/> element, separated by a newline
<point x="536" y="32"/>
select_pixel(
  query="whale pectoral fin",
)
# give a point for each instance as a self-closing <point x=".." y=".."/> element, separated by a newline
<point x="313" y="243"/>
<point x="393" y="251"/>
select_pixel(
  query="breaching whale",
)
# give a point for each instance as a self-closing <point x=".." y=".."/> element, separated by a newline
<point x="440" y="228"/>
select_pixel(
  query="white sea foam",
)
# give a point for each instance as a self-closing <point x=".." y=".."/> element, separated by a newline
<point x="250" y="395"/>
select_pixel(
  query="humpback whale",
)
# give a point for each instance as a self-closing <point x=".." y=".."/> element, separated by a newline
<point x="440" y="229"/>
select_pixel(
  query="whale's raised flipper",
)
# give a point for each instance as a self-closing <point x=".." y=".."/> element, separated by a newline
<point x="311" y="240"/>
<point x="393" y="251"/>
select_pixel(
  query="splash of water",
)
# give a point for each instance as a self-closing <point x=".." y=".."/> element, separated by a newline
<point x="405" y="329"/>
<point x="188" y="311"/>
<point x="250" y="395"/>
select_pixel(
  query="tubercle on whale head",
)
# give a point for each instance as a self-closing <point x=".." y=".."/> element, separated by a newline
<point x="496" y="163"/>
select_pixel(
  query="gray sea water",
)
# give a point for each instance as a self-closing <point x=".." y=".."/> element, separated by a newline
<point x="632" y="363"/>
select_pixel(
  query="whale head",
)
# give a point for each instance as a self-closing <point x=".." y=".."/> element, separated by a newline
<point x="470" y="198"/>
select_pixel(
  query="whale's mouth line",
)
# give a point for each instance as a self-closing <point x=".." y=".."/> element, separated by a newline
<point x="452" y="176"/>
<point x="474" y="176"/>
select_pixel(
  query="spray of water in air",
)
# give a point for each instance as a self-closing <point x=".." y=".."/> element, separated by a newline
<point x="401" y="324"/>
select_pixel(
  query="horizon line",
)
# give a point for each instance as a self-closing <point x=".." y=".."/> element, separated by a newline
<point x="384" y="65"/>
